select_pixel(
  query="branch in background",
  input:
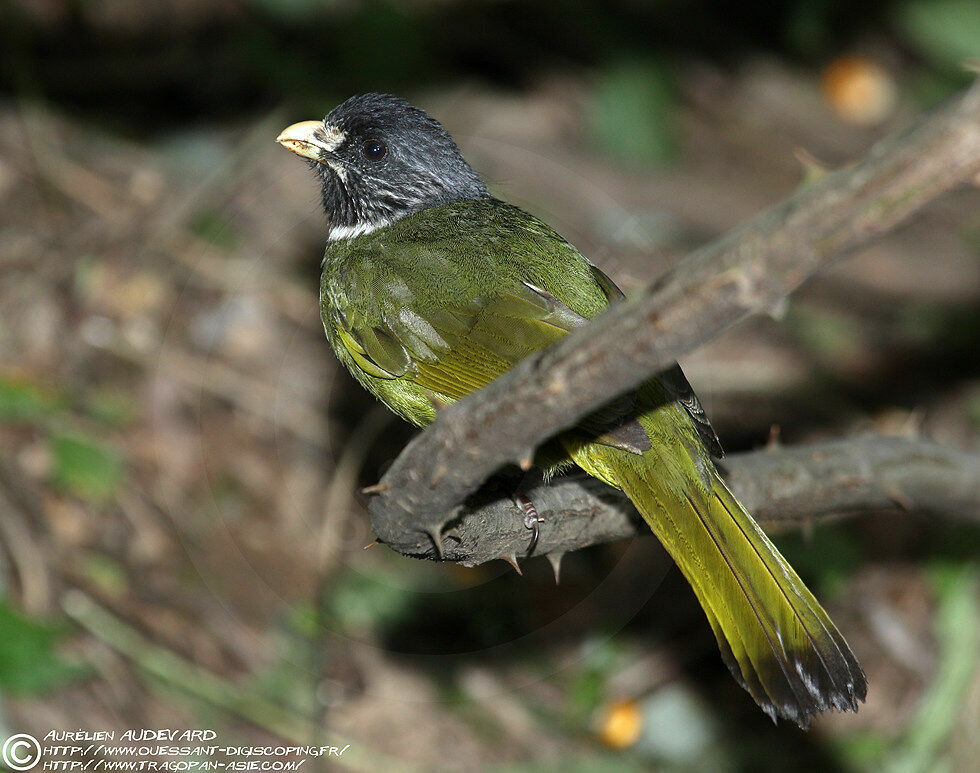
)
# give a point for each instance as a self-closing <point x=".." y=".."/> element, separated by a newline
<point x="747" y="271"/>
<point x="784" y="488"/>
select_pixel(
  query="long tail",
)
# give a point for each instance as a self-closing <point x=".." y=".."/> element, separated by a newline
<point x="774" y="636"/>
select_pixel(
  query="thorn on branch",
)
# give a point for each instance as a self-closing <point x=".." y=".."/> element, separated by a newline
<point x="912" y="427"/>
<point x="813" y="169"/>
<point x="454" y="533"/>
<point x="436" y="538"/>
<point x="774" y="441"/>
<point x="901" y="499"/>
<point x="512" y="560"/>
<point x="779" y="309"/>
<point x="555" y="560"/>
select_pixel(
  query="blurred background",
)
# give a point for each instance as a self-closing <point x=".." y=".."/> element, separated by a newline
<point x="181" y="455"/>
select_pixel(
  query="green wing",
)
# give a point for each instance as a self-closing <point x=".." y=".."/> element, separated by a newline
<point x="455" y="349"/>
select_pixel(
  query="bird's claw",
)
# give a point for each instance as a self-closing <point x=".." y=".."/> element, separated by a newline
<point x="532" y="520"/>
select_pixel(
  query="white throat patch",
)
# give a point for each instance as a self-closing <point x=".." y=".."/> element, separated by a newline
<point x="350" y="231"/>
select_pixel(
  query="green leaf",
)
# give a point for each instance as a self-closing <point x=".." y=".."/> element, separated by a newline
<point x="86" y="468"/>
<point x="862" y="750"/>
<point x="214" y="226"/>
<point x="105" y="573"/>
<point x="28" y="663"/>
<point x="111" y="407"/>
<point x="601" y="658"/>
<point x="948" y="31"/>
<point x="24" y="401"/>
<point x="958" y="636"/>
<point x="830" y="334"/>
<point x="829" y="556"/>
<point x="359" y="603"/>
<point x="632" y="113"/>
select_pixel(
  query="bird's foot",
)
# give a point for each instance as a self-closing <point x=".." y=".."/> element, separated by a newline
<point x="532" y="520"/>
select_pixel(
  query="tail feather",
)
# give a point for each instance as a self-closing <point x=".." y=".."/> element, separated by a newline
<point x="776" y="639"/>
<point x="841" y="682"/>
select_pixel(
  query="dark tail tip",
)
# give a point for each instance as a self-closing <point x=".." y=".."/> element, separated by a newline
<point x="795" y="691"/>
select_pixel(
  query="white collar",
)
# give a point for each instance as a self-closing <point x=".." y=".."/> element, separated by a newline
<point x="350" y="231"/>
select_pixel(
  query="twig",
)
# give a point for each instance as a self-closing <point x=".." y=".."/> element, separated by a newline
<point x="18" y="509"/>
<point x="784" y="488"/>
<point x="749" y="270"/>
<point x="343" y="484"/>
<point x="164" y="665"/>
<point x="214" y="377"/>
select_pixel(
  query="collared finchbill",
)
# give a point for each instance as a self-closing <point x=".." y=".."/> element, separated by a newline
<point x="432" y="288"/>
<point x="311" y="139"/>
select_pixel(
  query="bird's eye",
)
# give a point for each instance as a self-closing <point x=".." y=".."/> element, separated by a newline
<point x="374" y="149"/>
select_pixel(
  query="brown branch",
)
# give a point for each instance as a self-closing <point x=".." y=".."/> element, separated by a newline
<point x="784" y="488"/>
<point x="788" y="487"/>
<point x="747" y="271"/>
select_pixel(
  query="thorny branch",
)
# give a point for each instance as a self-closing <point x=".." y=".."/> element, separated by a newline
<point x="784" y="488"/>
<point x="749" y="270"/>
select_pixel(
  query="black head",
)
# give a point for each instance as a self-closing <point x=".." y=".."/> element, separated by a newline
<point x="379" y="159"/>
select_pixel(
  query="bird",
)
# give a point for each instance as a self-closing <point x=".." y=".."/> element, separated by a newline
<point x="432" y="287"/>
